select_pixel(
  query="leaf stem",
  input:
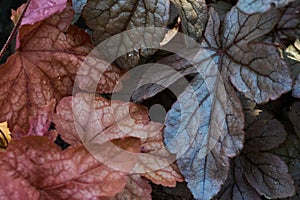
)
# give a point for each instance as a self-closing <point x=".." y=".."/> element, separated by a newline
<point x="13" y="32"/>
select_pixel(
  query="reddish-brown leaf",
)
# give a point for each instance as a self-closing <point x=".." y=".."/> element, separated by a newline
<point x="44" y="67"/>
<point x="111" y="120"/>
<point x="127" y="126"/>
<point x="156" y="163"/>
<point x="47" y="172"/>
<point x="137" y="188"/>
<point x="14" y="188"/>
<point x="41" y="69"/>
<point x="40" y="124"/>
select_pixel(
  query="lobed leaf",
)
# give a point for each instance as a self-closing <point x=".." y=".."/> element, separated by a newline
<point x="113" y="122"/>
<point x="236" y="186"/>
<point x="265" y="133"/>
<point x="43" y="68"/>
<point x="37" y="164"/>
<point x="204" y="128"/>
<point x="156" y="163"/>
<point x="108" y="18"/>
<point x="268" y="174"/>
<point x="264" y="171"/>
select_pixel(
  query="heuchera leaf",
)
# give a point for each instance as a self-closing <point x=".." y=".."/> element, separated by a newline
<point x="137" y="188"/>
<point x="193" y="15"/>
<point x="36" y="164"/>
<point x="260" y="6"/>
<point x="110" y="120"/>
<point x="256" y="171"/>
<point x="245" y="71"/>
<point x="290" y="152"/>
<point x="39" y="10"/>
<point x="162" y="77"/>
<point x="43" y="68"/>
<point x="154" y="161"/>
<point x="288" y="27"/>
<point x="266" y="172"/>
<point x="255" y="69"/>
<point x="236" y="186"/>
<point x="264" y="133"/>
<point x="192" y="128"/>
<point x="109" y="17"/>
<point x="40" y="124"/>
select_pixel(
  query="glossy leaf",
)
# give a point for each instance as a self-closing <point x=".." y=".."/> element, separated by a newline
<point x="47" y="172"/>
<point x="260" y="6"/>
